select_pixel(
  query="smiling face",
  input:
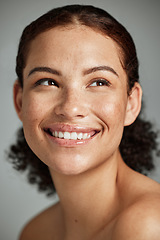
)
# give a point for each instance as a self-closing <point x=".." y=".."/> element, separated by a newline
<point x="74" y="101"/>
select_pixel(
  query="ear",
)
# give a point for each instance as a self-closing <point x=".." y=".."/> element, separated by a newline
<point x="17" y="97"/>
<point x="133" y="105"/>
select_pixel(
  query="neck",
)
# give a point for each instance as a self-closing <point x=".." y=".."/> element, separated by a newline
<point x="89" y="200"/>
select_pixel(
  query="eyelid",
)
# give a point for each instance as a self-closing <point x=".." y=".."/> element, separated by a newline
<point x="42" y="80"/>
<point x="101" y="80"/>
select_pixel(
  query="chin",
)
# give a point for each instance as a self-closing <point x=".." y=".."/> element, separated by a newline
<point x="69" y="168"/>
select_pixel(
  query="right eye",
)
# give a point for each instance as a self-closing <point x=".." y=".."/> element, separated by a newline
<point x="46" y="82"/>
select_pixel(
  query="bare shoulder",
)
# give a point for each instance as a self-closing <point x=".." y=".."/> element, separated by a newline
<point x="141" y="220"/>
<point x="140" y="215"/>
<point x="41" y="226"/>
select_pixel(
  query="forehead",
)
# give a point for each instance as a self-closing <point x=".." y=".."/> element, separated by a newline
<point x="77" y="33"/>
<point x="77" y="44"/>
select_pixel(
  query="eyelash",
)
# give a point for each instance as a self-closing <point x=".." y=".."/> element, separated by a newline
<point x="43" y="80"/>
<point x="100" y="82"/>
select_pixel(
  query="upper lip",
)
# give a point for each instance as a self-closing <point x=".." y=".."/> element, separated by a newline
<point x="70" y="128"/>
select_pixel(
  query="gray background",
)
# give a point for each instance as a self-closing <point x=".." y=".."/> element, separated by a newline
<point x="18" y="200"/>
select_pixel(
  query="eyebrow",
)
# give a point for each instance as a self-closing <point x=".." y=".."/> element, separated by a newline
<point x="85" y="72"/>
<point x="100" y="68"/>
<point x="44" y="69"/>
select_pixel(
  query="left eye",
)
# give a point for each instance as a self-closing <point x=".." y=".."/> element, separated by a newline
<point x="99" y="83"/>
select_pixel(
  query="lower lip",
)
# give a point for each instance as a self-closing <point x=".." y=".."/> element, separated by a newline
<point x="69" y="143"/>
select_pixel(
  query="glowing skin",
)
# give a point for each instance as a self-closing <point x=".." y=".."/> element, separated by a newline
<point x="73" y="60"/>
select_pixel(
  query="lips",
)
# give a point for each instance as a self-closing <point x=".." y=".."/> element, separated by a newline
<point x="68" y="132"/>
<point x="70" y="135"/>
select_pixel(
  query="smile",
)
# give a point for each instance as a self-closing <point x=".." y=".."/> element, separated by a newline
<point x="71" y="135"/>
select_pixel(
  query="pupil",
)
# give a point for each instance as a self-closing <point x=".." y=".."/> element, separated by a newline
<point x="100" y="84"/>
<point x="50" y="82"/>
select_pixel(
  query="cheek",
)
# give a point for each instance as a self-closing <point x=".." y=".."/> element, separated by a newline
<point x="111" y="112"/>
<point x="113" y="117"/>
<point x="33" y="110"/>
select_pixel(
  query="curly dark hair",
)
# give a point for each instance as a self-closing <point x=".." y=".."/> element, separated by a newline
<point x="139" y="140"/>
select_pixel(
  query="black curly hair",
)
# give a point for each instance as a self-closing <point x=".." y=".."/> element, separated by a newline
<point x="139" y="140"/>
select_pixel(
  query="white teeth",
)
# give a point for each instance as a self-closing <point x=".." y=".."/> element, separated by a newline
<point x="74" y="135"/>
<point x="67" y="135"/>
<point x="85" y="136"/>
<point x="80" y="136"/>
<point x="71" y="136"/>
<point x="60" y="135"/>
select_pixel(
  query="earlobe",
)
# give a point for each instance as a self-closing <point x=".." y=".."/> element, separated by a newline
<point x="17" y="97"/>
<point x="133" y="105"/>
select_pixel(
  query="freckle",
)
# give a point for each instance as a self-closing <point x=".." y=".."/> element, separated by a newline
<point x="76" y="220"/>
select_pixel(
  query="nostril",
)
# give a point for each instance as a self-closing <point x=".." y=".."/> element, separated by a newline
<point x="80" y="115"/>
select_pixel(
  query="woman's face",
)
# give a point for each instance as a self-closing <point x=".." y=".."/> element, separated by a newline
<point x="74" y="101"/>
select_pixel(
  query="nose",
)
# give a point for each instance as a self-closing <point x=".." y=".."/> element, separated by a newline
<point x="71" y="105"/>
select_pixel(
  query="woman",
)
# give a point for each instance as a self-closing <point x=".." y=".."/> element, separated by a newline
<point x="78" y="97"/>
